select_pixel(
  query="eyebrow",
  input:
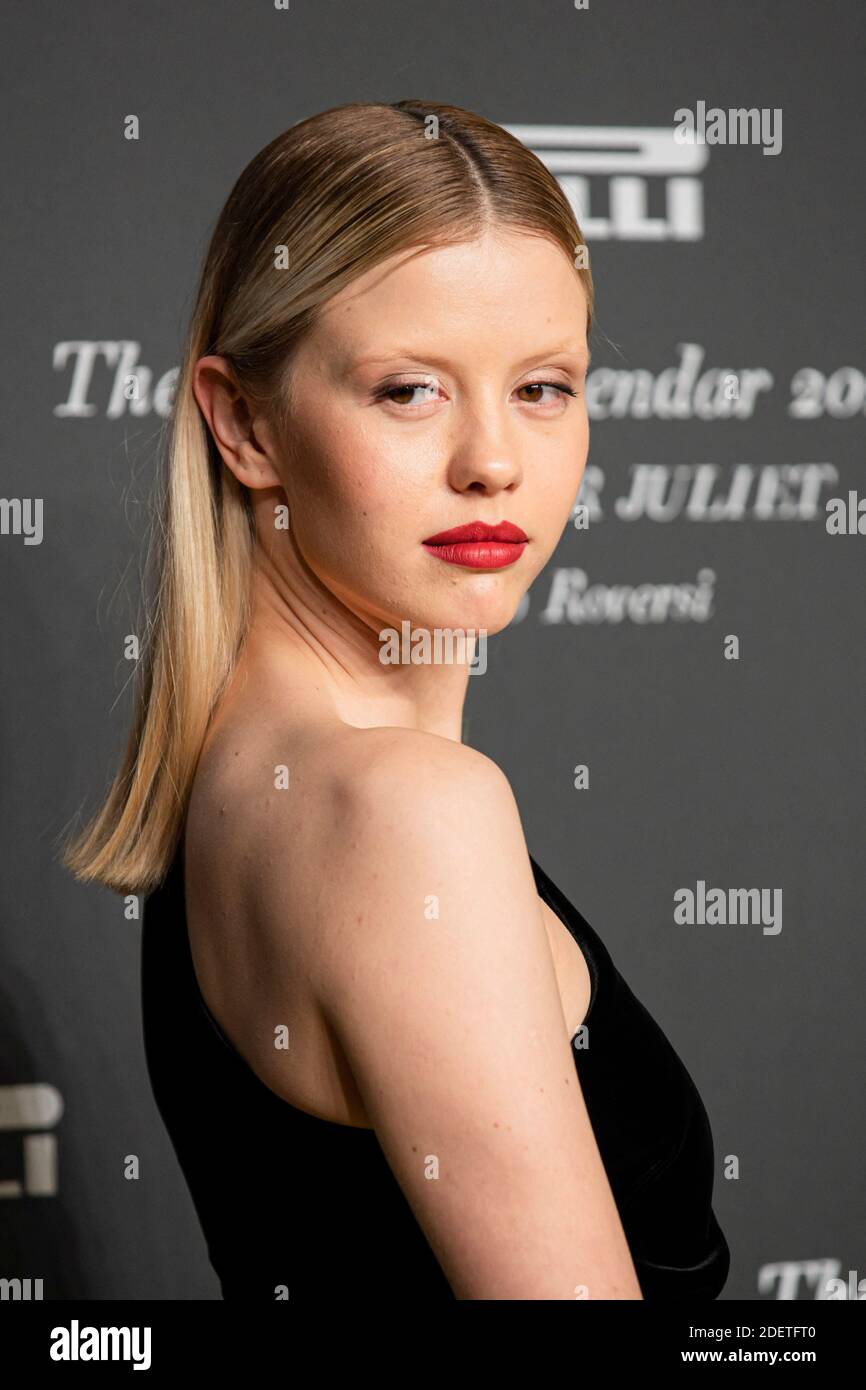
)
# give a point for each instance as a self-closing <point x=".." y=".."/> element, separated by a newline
<point x="573" y="348"/>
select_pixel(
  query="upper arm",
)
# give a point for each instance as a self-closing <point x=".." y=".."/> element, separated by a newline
<point x="435" y="972"/>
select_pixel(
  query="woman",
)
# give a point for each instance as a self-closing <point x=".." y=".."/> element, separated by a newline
<point x="385" y="1046"/>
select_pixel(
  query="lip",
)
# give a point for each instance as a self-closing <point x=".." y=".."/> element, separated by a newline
<point x="479" y="545"/>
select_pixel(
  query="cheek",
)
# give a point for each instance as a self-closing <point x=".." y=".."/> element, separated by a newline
<point x="357" y="491"/>
<point x="382" y="473"/>
<point x="556" y="484"/>
<point x="328" y="469"/>
<point x="576" y="459"/>
<point x="564" y="464"/>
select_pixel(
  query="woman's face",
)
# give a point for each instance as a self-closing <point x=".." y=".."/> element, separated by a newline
<point x="431" y="394"/>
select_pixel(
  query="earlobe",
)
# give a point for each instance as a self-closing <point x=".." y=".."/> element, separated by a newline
<point x="245" y="460"/>
<point x="256" y="454"/>
<point x="253" y="468"/>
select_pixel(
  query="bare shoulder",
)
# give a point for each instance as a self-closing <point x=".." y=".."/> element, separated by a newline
<point x="389" y="896"/>
<point x="433" y="970"/>
<point x="409" y="771"/>
<point x="357" y="759"/>
<point x="363" y="805"/>
<point x="275" y="817"/>
<point x="377" y="801"/>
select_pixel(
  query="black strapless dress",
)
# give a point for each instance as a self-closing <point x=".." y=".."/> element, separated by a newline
<point x="286" y="1199"/>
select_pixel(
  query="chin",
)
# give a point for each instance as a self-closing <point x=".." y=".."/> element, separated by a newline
<point x="488" y="612"/>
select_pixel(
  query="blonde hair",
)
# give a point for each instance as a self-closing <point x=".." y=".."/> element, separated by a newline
<point x="341" y="191"/>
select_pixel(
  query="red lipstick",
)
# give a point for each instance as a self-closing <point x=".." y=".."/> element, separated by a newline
<point x="478" y="545"/>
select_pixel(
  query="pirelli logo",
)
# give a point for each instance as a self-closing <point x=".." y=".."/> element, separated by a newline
<point x="626" y="183"/>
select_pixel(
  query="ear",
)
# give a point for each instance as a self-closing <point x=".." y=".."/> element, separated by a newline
<point x="244" y="440"/>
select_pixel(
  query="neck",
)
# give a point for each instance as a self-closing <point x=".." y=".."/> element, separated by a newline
<point x="305" y="639"/>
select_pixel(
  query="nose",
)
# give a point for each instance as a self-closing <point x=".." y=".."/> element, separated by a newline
<point x="484" y="453"/>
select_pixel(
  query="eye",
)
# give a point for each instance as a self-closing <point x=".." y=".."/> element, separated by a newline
<point x="405" y="387"/>
<point x="396" y="389"/>
<point x="539" y="385"/>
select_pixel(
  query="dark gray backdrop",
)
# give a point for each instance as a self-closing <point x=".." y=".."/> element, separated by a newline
<point x="741" y="773"/>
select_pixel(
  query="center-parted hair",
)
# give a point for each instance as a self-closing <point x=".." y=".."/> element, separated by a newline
<point x="329" y="199"/>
